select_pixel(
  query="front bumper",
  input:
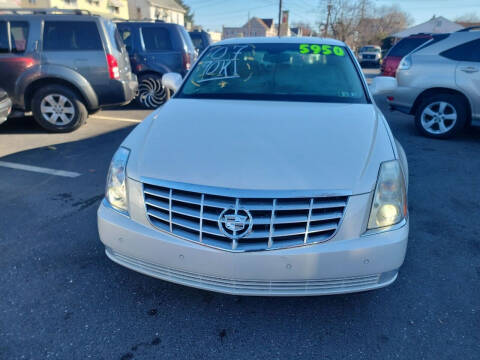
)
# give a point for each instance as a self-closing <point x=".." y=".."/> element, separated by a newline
<point x="336" y="266"/>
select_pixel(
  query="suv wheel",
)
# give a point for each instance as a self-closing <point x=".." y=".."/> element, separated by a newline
<point x="58" y="109"/>
<point x="441" y="116"/>
<point x="151" y="92"/>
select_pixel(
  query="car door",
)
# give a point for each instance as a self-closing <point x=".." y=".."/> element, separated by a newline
<point x="467" y="71"/>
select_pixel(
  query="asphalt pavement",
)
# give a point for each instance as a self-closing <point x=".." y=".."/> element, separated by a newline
<point x="63" y="299"/>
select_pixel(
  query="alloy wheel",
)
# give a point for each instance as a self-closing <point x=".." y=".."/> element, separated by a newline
<point x="151" y="92"/>
<point x="57" y="109"/>
<point x="439" y="117"/>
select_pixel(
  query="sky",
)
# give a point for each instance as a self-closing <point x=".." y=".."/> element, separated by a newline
<point x="212" y="14"/>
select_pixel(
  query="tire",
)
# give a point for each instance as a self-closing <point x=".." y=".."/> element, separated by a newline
<point x="151" y="92"/>
<point x="57" y="108"/>
<point x="441" y="116"/>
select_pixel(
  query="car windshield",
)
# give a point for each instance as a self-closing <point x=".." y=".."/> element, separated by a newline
<point x="288" y="72"/>
<point x="369" y="49"/>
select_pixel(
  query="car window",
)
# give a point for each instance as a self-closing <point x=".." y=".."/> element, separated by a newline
<point x="197" y="40"/>
<point x="19" y="36"/>
<point x="406" y="46"/>
<point x="71" y="36"/>
<point x="4" y="45"/>
<point x="156" y="38"/>
<point x="187" y="40"/>
<point x="435" y="38"/>
<point x="369" y="49"/>
<point x="468" y="51"/>
<point x="114" y="35"/>
<point x="288" y="72"/>
<point x="127" y="37"/>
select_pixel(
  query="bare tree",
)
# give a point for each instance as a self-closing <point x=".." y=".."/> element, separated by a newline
<point x="360" y="22"/>
<point x="468" y="18"/>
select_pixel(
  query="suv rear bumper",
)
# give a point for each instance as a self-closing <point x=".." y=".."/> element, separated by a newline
<point x="120" y="92"/>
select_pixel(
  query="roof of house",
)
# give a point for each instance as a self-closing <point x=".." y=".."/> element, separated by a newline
<point x="168" y="4"/>
<point x="436" y="25"/>
<point x="268" y="22"/>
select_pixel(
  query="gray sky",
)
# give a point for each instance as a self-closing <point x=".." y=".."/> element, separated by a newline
<point x="212" y="14"/>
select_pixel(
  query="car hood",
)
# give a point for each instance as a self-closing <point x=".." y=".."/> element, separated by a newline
<point x="261" y="145"/>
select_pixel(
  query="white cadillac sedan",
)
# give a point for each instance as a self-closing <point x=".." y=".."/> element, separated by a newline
<point x="270" y="172"/>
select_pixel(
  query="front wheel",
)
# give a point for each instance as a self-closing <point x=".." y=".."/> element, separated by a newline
<point x="57" y="108"/>
<point x="151" y="92"/>
<point x="441" y="116"/>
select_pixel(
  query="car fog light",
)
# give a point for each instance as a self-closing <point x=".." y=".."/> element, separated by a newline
<point x="116" y="190"/>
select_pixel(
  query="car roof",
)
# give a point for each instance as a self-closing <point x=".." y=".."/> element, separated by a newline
<point x="281" y="40"/>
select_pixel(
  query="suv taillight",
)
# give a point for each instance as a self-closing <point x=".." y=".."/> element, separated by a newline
<point x="113" y="67"/>
<point x="186" y="61"/>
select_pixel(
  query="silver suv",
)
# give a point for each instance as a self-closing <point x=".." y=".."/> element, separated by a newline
<point x="439" y="83"/>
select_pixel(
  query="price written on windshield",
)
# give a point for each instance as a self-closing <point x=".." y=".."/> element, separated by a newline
<point x="321" y="49"/>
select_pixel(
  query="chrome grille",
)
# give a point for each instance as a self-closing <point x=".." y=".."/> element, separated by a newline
<point x="277" y="222"/>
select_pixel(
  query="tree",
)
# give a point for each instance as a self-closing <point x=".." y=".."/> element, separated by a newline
<point x="360" y="22"/>
<point x="188" y="15"/>
<point x="468" y="18"/>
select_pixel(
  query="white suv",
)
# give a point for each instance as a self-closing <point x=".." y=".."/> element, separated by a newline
<point x="439" y="83"/>
<point x="270" y="172"/>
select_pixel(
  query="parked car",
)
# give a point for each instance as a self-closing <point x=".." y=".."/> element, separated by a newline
<point x="439" y="84"/>
<point x="370" y="55"/>
<point x="201" y="39"/>
<point x="63" y="65"/>
<point x="399" y="50"/>
<point x="271" y="172"/>
<point x="156" y="48"/>
<point x="5" y="106"/>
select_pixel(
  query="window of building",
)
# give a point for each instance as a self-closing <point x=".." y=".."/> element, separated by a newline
<point x="71" y="36"/>
<point x="114" y="9"/>
<point x="156" y="39"/>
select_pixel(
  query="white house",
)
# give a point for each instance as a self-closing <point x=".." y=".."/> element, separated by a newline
<point x="167" y="10"/>
<point x="436" y="25"/>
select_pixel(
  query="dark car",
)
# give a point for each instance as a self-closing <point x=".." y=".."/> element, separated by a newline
<point x="201" y="40"/>
<point x="399" y="50"/>
<point x="63" y="65"/>
<point x="156" y="48"/>
<point x="5" y="106"/>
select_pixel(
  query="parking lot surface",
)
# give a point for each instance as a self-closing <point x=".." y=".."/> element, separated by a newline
<point x="63" y="299"/>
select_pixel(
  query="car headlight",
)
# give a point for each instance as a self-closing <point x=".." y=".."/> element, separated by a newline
<point x="389" y="206"/>
<point x="116" y="190"/>
<point x="406" y="63"/>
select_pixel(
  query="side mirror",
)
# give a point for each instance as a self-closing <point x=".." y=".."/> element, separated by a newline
<point x="383" y="84"/>
<point x="172" y="81"/>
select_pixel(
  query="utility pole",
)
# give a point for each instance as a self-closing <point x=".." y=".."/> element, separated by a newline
<point x="329" y="10"/>
<point x="279" y="16"/>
